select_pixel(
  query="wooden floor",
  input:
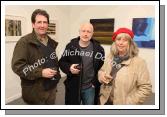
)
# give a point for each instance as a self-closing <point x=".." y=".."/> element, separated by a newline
<point x="60" y="97"/>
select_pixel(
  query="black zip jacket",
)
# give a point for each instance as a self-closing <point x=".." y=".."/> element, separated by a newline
<point x="73" y="81"/>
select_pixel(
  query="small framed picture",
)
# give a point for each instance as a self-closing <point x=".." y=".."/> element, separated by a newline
<point x="14" y="27"/>
<point x="52" y="29"/>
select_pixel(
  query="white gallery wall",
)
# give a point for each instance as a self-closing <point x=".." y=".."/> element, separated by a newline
<point x="68" y="18"/>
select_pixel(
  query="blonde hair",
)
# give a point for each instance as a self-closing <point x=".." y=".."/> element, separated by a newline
<point x="132" y="49"/>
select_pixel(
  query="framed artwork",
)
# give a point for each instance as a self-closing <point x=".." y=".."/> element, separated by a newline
<point x="144" y="30"/>
<point x="52" y="29"/>
<point x="14" y="27"/>
<point x="103" y="30"/>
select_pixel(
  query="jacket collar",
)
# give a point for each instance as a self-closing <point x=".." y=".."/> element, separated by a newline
<point x="127" y="62"/>
<point x="36" y="42"/>
<point x="34" y="39"/>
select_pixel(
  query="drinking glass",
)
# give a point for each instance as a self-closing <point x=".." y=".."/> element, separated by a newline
<point x="54" y="68"/>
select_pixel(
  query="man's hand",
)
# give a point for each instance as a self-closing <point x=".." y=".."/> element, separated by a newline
<point x="73" y="69"/>
<point x="48" y="73"/>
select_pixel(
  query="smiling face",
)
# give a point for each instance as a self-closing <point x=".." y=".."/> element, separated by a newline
<point x="122" y="43"/>
<point x="86" y="32"/>
<point x="41" y="25"/>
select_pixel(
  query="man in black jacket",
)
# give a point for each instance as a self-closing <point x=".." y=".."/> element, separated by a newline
<point x="81" y="60"/>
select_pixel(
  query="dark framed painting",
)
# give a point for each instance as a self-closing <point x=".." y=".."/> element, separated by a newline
<point x="103" y="30"/>
<point x="144" y="30"/>
<point x="51" y="28"/>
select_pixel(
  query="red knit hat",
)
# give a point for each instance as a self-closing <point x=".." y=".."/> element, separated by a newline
<point x="122" y="30"/>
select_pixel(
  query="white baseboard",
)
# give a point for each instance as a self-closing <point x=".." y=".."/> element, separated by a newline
<point x="12" y="98"/>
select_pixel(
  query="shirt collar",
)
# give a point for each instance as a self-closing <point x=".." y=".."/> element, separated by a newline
<point x="42" y="40"/>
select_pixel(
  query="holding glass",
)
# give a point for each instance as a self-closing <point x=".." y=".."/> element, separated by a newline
<point x="55" y="70"/>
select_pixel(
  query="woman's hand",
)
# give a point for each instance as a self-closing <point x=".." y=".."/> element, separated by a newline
<point x="104" y="78"/>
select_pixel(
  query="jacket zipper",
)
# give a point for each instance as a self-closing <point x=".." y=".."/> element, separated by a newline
<point x="80" y="76"/>
<point x="80" y="80"/>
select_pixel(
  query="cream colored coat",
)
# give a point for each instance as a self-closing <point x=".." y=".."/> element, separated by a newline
<point x="132" y="82"/>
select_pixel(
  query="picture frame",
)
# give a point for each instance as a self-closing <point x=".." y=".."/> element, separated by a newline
<point x="103" y="30"/>
<point x="15" y="27"/>
<point x="52" y="28"/>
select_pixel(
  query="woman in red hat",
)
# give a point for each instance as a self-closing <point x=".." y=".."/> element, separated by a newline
<point x="124" y="76"/>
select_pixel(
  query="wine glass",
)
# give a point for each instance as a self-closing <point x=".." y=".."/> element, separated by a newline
<point x="55" y="69"/>
<point x="108" y="78"/>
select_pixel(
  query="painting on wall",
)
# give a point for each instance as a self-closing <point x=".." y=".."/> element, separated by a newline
<point x="14" y="27"/>
<point x="103" y="30"/>
<point x="144" y="30"/>
<point x="51" y="28"/>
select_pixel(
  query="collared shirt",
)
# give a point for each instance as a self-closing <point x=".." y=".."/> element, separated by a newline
<point x="43" y="40"/>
